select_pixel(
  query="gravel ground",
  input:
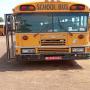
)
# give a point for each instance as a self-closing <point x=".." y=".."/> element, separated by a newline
<point x="66" y="75"/>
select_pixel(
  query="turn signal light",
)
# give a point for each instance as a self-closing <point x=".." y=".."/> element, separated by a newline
<point x="25" y="37"/>
<point x="31" y="8"/>
<point x="73" y="7"/>
<point x="81" y="36"/>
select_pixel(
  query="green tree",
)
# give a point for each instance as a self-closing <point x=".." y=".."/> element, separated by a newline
<point x="1" y="19"/>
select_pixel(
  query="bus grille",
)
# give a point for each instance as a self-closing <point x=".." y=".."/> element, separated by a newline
<point x="56" y="42"/>
<point x="53" y="50"/>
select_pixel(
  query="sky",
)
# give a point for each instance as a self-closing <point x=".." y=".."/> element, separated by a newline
<point x="6" y="6"/>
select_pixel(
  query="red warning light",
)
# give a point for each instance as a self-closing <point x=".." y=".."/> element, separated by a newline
<point x="27" y="7"/>
<point x="23" y="8"/>
<point x="77" y="7"/>
<point x="81" y="7"/>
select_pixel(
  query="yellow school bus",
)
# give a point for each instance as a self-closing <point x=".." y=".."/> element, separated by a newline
<point x="49" y="31"/>
<point x="2" y="30"/>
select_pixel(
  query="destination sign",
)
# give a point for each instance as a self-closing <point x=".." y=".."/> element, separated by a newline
<point x="52" y="6"/>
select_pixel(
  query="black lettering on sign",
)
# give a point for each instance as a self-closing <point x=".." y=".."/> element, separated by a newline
<point x="52" y="6"/>
<point x="45" y="7"/>
<point x="63" y="7"/>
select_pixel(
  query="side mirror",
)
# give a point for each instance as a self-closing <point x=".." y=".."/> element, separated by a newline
<point x="8" y="18"/>
<point x="9" y="22"/>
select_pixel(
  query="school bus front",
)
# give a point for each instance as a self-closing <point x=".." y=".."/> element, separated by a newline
<point x="52" y="31"/>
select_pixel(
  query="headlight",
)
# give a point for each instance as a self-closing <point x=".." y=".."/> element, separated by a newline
<point x="28" y="51"/>
<point x="78" y="49"/>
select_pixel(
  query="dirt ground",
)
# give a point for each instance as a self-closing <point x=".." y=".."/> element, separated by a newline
<point x="66" y="75"/>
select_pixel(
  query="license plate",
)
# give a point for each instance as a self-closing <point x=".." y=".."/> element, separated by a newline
<point x="53" y="58"/>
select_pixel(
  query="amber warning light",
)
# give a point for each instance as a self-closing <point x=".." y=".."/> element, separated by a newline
<point x="77" y="7"/>
<point x="27" y="8"/>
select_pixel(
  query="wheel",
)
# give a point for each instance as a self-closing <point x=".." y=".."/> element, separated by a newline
<point x="16" y="61"/>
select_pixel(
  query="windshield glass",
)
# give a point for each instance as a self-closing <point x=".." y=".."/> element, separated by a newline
<point x="52" y="22"/>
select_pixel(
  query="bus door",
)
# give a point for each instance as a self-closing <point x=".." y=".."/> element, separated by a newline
<point x="10" y="30"/>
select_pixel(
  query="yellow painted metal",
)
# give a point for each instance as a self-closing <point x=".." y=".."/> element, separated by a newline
<point x="74" y="40"/>
<point x="58" y="7"/>
<point x="35" y="40"/>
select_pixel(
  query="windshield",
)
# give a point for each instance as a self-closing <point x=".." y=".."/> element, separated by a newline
<point x="52" y="22"/>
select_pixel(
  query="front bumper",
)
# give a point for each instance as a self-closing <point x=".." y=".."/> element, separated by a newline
<point x="64" y="56"/>
<point x="64" y="53"/>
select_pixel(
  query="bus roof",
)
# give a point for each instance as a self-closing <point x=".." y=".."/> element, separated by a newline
<point x="31" y="7"/>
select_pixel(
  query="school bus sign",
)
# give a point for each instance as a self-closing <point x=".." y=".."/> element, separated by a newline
<point x="52" y="6"/>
